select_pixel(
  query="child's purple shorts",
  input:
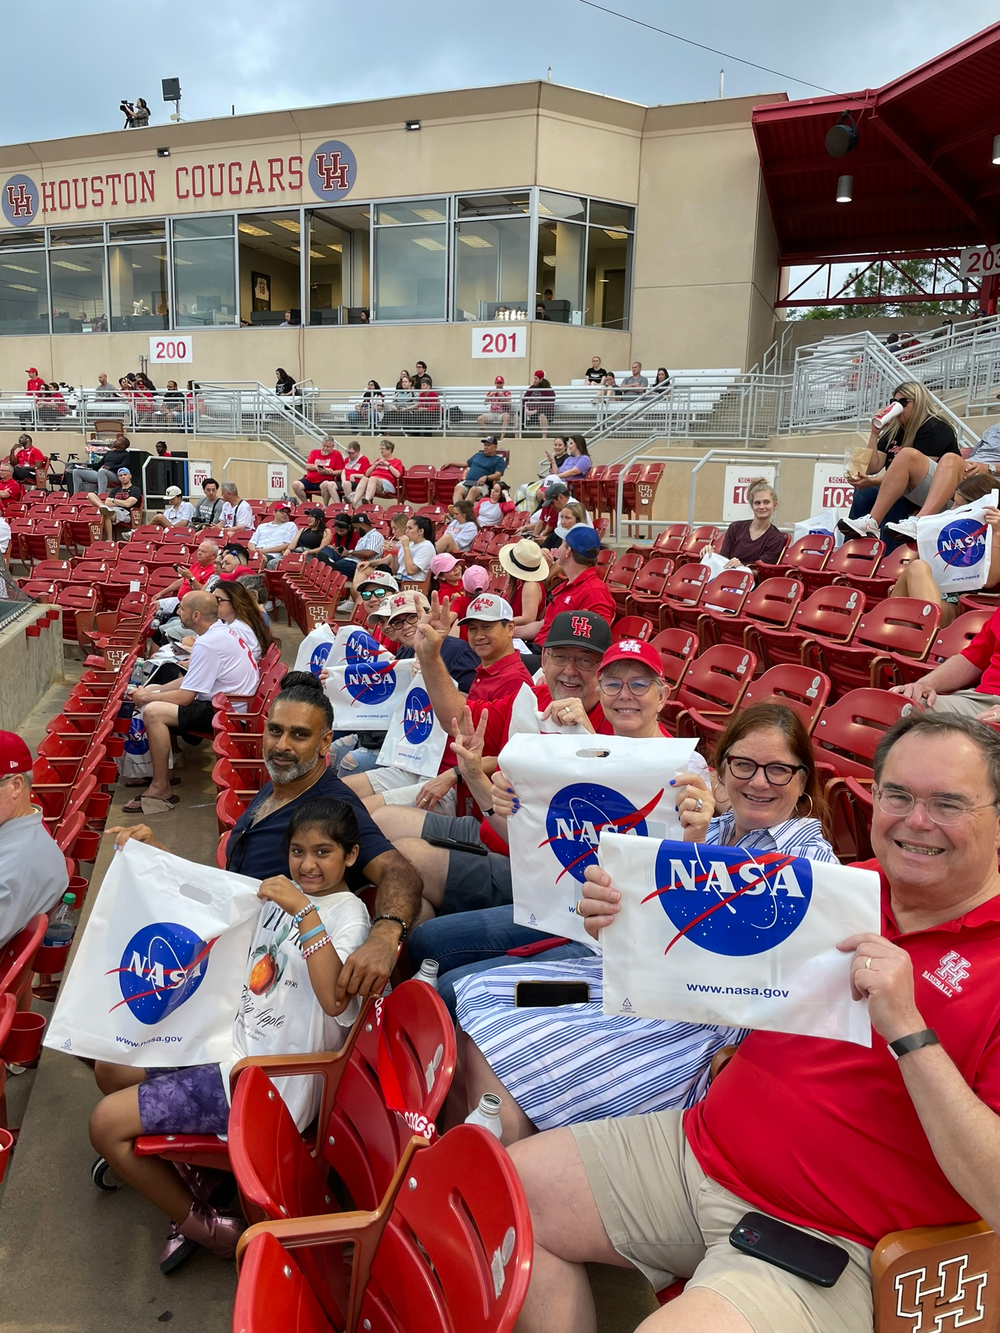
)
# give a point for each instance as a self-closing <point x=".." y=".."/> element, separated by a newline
<point x="184" y="1101"/>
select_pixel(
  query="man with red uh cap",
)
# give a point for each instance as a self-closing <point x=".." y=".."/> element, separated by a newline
<point x="585" y="589"/>
<point x="497" y="407"/>
<point x="32" y="868"/>
<point x="35" y="382"/>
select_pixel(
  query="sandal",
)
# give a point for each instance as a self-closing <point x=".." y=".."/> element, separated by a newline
<point x="134" y="807"/>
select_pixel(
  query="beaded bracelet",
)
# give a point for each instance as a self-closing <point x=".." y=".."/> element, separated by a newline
<point x="318" y="945"/>
<point x="297" y="918"/>
<point x="316" y="930"/>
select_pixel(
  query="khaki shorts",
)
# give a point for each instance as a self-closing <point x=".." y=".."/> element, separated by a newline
<point x="398" y="787"/>
<point x="967" y="703"/>
<point x="665" y="1216"/>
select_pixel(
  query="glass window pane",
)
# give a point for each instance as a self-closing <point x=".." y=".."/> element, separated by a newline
<point x="77" y="283"/>
<point x="153" y="230"/>
<point x="18" y="239"/>
<point x="204" y="285"/>
<point x="488" y="205"/>
<point x="410" y="272"/>
<point x="417" y="210"/>
<point x="191" y="228"/>
<point x="559" y="276"/>
<point x="270" y="259"/>
<point x="138" y="287"/>
<point x="611" y="215"/>
<point x="491" y="269"/>
<point x="338" y="266"/>
<point x="561" y="206"/>
<point x="24" y="297"/>
<point x="608" y="255"/>
<point x="76" y="235"/>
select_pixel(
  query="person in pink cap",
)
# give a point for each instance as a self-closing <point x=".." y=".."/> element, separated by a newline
<point x="32" y="868"/>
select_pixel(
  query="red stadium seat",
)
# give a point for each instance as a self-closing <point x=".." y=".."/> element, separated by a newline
<point x="682" y="590"/>
<point x="858" y="558"/>
<point x="620" y="577"/>
<point x="677" y="649"/>
<point x="723" y="596"/>
<point x="772" y="603"/>
<point x="799" y="688"/>
<point x="895" y="669"/>
<point x="902" y="625"/>
<point x="714" y="683"/>
<point x="832" y="613"/>
<point x="809" y="552"/>
<point x="632" y="627"/>
<point x="646" y="593"/>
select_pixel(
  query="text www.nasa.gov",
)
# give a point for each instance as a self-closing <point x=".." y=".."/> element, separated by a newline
<point x="767" y="993"/>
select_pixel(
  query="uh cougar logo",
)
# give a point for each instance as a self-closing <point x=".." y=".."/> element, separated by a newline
<point x="333" y="170"/>
<point x="953" y="1301"/>
<point x="19" y="200"/>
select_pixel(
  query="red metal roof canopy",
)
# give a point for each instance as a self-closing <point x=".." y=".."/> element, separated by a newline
<point x="923" y="173"/>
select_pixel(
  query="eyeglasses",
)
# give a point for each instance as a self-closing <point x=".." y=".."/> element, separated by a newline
<point x="639" y="686"/>
<point x="939" y="809"/>
<point x="403" y="622"/>
<point x="224" y="601"/>
<point x="778" y="775"/>
<point x="585" y="663"/>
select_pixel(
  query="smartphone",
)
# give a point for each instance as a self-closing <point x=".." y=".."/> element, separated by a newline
<point x="547" y="994"/>
<point x="454" y="845"/>
<point x="787" y="1247"/>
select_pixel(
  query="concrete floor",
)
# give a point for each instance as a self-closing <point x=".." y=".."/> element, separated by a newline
<point x="75" y="1260"/>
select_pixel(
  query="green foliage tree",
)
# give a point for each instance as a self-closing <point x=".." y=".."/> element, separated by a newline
<point x="907" y="277"/>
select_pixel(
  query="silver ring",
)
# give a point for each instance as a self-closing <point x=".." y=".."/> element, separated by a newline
<point x="698" y="804"/>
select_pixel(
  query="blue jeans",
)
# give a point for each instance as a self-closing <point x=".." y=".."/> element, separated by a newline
<point x="466" y="942"/>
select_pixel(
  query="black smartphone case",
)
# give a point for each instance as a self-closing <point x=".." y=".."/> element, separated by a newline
<point x="808" y="1257"/>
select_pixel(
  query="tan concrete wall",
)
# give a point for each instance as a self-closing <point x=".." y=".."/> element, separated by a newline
<point x="28" y="666"/>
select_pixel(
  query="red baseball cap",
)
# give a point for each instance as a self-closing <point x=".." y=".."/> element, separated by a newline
<point x="539" y="374"/>
<point x="633" y="650"/>
<point x="15" y="757"/>
<point x="499" y="380"/>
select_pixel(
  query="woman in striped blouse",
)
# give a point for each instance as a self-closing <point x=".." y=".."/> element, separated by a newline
<point x="564" y="1065"/>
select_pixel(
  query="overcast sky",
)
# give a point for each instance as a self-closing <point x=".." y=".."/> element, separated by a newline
<point x="268" y="54"/>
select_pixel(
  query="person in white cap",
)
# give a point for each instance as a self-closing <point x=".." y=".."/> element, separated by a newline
<point x="32" y="868"/>
<point x="176" y="512"/>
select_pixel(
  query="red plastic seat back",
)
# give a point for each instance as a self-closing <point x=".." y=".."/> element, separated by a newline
<point x="774" y="602"/>
<point x="715" y="681"/>
<point x="812" y="551"/>
<point x="904" y="625"/>
<point x="650" y="579"/>
<point x="859" y="558"/>
<point x="670" y="540"/>
<point x="704" y="535"/>
<point x="831" y="613"/>
<point x="274" y="1293"/>
<point x="957" y="636"/>
<point x="622" y="573"/>
<point x="16" y="956"/>
<point x="677" y="648"/>
<point x="799" y="688"/>
<point x="727" y="592"/>
<point x="632" y="627"/>
<point x="848" y="733"/>
<point x="686" y="585"/>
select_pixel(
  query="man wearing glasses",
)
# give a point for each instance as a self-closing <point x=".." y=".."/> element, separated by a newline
<point x="967" y="683"/>
<point x="32" y="868"/>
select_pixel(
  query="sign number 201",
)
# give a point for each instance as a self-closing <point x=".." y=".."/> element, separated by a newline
<point x="170" y="350"/>
<point x="488" y="342"/>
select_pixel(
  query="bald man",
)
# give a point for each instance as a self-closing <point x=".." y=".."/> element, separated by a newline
<point x="222" y="662"/>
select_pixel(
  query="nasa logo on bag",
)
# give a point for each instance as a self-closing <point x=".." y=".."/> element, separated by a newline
<point x="368" y="677"/>
<point x="319" y="655"/>
<point x="579" y="813"/>
<point x="136" y="742"/>
<point x="162" y="966"/>
<point x="962" y="543"/>
<point x="731" y="901"/>
<point x="418" y="716"/>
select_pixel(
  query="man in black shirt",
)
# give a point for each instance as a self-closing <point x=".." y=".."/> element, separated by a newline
<point x="115" y="510"/>
<point x="104" y="475"/>
<point x="595" y="374"/>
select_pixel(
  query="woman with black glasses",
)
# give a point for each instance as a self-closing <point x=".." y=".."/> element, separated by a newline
<point x="908" y="447"/>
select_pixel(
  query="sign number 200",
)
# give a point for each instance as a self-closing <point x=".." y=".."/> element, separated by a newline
<point x="170" y="349"/>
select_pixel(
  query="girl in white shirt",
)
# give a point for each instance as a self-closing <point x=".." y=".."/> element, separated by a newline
<point x="460" y="533"/>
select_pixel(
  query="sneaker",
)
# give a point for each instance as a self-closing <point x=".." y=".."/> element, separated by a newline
<point x="859" y="527"/>
<point x="345" y="606"/>
<point x="906" y="527"/>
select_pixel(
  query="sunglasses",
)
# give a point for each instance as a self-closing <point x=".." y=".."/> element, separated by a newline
<point x="903" y="402"/>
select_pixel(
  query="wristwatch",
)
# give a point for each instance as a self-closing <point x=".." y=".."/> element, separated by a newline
<point x="903" y="1045"/>
<point x="991" y="468"/>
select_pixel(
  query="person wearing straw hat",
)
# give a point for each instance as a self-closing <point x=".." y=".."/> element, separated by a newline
<point x="176" y="512"/>
<point x="32" y="868"/>
<point x="525" y="562"/>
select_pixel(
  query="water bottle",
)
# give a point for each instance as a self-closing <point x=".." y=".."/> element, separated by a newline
<point x="59" y="932"/>
<point x="429" y="973"/>
<point x="487" y="1114"/>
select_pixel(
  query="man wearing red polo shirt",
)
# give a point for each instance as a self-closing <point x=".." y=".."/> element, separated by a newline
<point x="585" y="589"/>
<point x="9" y="488"/>
<point x="842" y="1141"/>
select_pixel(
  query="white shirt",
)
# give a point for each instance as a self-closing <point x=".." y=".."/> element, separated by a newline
<point x="237" y="516"/>
<point x="371" y="541"/>
<point x="269" y="535"/>
<point x="4" y="536"/>
<point x="421" y="553"/>
<point x="32" y="872"/>
<point x="184" y="513"/>
<point x="464" y="534"/>
<point x="222" y="662"/>
<point x="279" y="1013"/>
<point x="249" y="638"/>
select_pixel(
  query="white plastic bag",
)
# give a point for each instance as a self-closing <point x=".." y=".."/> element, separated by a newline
<point x="315" y="648"/>
<point x="824" y="522"/>
<point x="158" y="974"/>
<point x="957" y="545"/>
<point x="736" y="938"/>
<point x="366" y="684"/>
<point x="569" y="789"/>
<point x="526" y="717"/>
<point x="717" y="564"/>
<point x="414" y="739"/>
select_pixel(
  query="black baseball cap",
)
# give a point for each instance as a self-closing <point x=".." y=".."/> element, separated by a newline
<point x="579" y="629"/>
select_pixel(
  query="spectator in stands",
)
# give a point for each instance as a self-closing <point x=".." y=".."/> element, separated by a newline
<point x="918" y="430"/>
<point x="323" y="467"/>
<point x="482" y="470"/>
<point x="236" y="514"/>
<point x="32" y="868"/>
<point x="176" y="512"/>
<point x="416" y="551"/>
<point x="222" y="662"/>
<point x="584" y="590"/>
<point x="537" y="404"/>
<point x="36" y="385"/>
<point x="595" y="372"/>
<point x="238" y="606"/>
<point x="403" y="401"/>
<point x="951" y="481"/>
<point x="369" y="408"/>
<point x="356" y="466"/>
<point x="492" y="508"/>
<point x="925" y="1129"/>
<point x="662" y="382"/>
<point x="570" y="515"/>
<point x="555" y="498"/>
<point x="5" y="536"/>
<point x="116" y="510"/>
<point x="577" y="462"/>
<point x="106" y="391"/>
<point x="458" y="881"/>
<point x="172" y="401"/>
<point x="9" y="488"/>
<point x="524" y="562"/>
<point x="190" y="578"/>
<point x="657" y="1064"/>
<point x="29" y="463"/>
<point x="610" y="389"/>
<point x="917" y="578"/>
<point x="461" y="531"/>
<point x="315" y="537"/>
<point x="426" y="415"/>
<point x="161" y="449"/>
<point x="370" y="589"/>
<point x="208" y="511"/>
<point x="421" y="379"/>
<point x="273" y="539"/>
<point x="369" y="544"/>
<point x="235" y="561"/>
<point x="636" y="383"/>
<point x="382" y="478"/>
<point x="753" y="539"/>
<point x="104" y="476"/>
<point x="391" y="548"/>
<point x="284" y="384"/>
<point x="967" y="683"/>
<point x="446" y="580"/>
<point x="497" y="407"/>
